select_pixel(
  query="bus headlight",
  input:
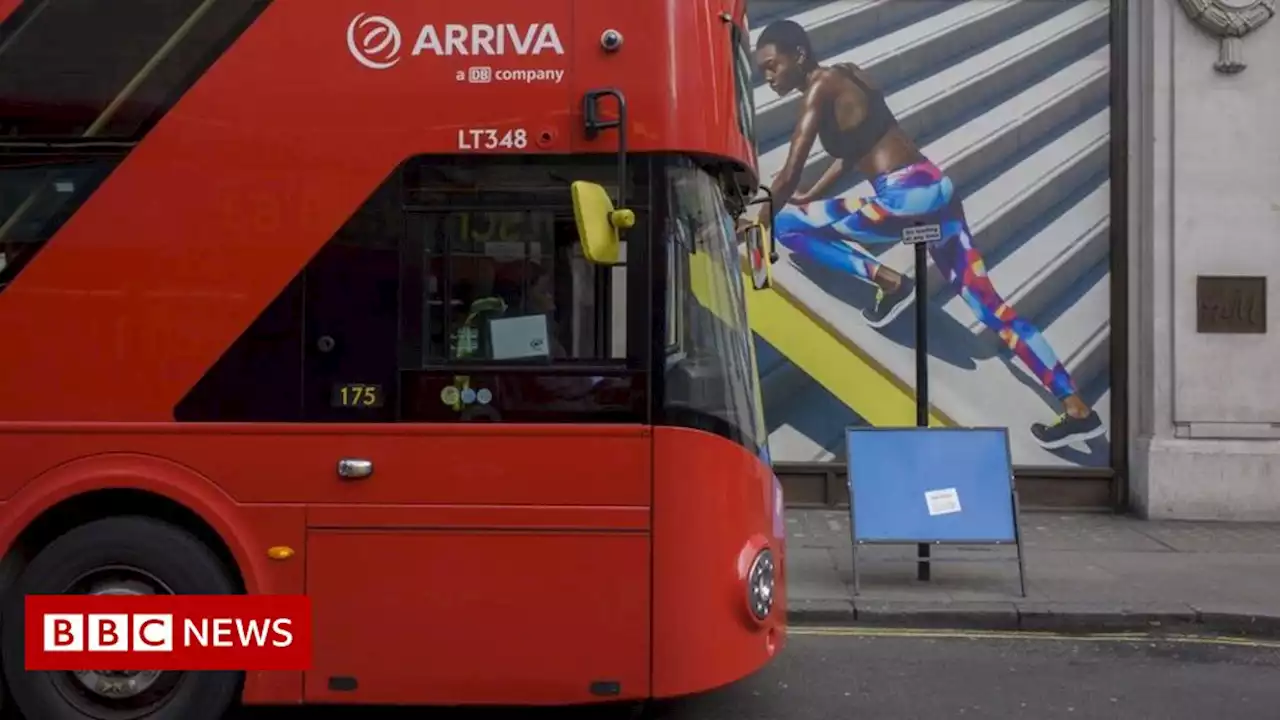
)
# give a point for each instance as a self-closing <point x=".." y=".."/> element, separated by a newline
<point x="760" y="581"/>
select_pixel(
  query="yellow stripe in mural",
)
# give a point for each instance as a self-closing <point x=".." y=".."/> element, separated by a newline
<point x="832" y="362"/>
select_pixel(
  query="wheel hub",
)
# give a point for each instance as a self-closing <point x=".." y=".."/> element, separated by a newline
<point x="118" y="684"/>
<point x="117" y="694"/>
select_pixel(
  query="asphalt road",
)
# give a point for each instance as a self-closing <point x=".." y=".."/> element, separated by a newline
<point x="902" y="675"/>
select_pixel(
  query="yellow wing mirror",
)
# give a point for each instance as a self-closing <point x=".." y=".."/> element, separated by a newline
<point x="599" y="224"/>
<point x="759" y="255"/>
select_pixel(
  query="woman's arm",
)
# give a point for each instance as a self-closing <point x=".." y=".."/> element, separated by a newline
<point x="819" y="190"/>
<point x="787" y="180"/>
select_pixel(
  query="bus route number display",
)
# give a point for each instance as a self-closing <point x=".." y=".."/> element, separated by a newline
<point x="493" y="139"/>
<point x="357" y="395"/>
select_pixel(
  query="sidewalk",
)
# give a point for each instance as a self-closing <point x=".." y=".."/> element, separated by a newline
<point x="1084" y="573"/>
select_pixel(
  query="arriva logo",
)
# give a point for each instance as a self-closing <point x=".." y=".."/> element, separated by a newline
<point x="375" y="42"/>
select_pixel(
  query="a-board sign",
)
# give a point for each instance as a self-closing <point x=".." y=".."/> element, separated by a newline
<point x="926" y="485"/>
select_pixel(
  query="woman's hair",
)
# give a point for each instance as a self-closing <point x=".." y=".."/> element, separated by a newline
<point x="788" y="37"/>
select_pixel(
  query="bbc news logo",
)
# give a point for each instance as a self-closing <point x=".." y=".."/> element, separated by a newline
<point x="108" y="632"/>
<point x="168" y="632"/>
<point x="143" y="632"/>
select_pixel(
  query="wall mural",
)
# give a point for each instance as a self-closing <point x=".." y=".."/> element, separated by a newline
<point x="989" y="118"/>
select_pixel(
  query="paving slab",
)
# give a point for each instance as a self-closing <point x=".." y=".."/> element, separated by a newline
<point x="1084" y="573"/>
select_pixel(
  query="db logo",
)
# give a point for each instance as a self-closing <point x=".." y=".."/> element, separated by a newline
<point x="108" y="633"/>
<point x="374" y="41"/>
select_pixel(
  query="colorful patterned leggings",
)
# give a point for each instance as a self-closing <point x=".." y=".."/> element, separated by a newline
<point x="918" y="193"/>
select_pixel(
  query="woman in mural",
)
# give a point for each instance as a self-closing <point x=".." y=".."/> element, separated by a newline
<point x="846" y="112"/>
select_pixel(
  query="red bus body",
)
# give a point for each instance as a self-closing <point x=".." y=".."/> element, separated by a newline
<point x="481" y="563"/>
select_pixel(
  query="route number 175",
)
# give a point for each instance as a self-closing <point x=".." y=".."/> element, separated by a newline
<point x="357" y="395"/>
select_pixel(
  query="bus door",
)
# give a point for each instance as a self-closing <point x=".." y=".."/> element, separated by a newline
<point x="484" y="520"/>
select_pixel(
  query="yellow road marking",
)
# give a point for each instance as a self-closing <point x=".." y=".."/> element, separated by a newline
<point x="1032" y="635"/>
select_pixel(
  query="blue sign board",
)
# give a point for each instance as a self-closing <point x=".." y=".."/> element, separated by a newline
<point x="931" y="485"/>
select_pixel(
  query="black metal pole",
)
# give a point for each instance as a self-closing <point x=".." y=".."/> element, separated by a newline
<point x="922" y="377"/>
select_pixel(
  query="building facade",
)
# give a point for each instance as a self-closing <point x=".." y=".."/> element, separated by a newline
<point x="1053" y="124"/>
<point x="1204" y="194"/>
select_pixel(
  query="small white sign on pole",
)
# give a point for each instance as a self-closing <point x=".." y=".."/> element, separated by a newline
<point x="921" y="234"/>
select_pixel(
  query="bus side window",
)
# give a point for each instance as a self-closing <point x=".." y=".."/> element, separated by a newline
<point x="325" y="349"/>
<point x="540" y="335"/>
<point x="433" y="280"/>
<point x="505" y="271"/>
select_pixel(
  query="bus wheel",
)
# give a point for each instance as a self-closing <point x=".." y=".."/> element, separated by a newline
<point x="117" y="556"/>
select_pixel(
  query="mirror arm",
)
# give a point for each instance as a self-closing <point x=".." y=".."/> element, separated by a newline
<point x="593" y="125"/>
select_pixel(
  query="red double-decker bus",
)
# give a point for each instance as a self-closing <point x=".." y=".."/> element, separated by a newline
<point x="430" y="310"/>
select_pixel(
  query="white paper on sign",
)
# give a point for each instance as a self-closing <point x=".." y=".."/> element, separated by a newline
<point x="942" y="502"/>
<point x="519" y="337"/>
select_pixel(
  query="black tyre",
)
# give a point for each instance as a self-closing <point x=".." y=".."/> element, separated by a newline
<point x="121" y="555"/>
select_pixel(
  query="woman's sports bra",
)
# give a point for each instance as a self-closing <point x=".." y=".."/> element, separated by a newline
<point x="853" y="145"/>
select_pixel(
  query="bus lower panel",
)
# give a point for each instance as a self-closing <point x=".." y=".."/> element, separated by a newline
<point x="459" y="617"/>
<point x="714" y="507"/>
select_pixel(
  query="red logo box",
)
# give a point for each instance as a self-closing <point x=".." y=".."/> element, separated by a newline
<point x="168" y="632"/>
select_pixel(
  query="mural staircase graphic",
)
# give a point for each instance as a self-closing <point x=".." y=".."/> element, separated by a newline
<point x="1010" y="98"/>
